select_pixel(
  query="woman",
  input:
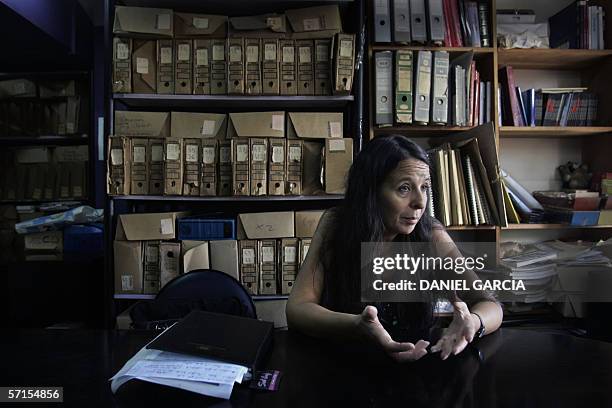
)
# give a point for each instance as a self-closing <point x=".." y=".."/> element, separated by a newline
<point x="385" y="200"/>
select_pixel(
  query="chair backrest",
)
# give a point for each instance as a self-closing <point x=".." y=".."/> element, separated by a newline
<point x="203" y="289"/>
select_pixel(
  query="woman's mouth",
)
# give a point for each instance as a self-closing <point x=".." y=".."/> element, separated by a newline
<point x="410" y="220"/>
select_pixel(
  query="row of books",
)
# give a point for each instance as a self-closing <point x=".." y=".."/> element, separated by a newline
<point x="453" y="23"/>
<point x="428" y="87"/>
<point x="237" y="65"/>
<point x="579" y="25"/>
<point x="545" y="106"/>
<point x="461" y="193"/>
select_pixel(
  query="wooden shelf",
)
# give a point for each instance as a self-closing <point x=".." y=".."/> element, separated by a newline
<point x="552" y="227"/>
<point x="322" y="197"/>
<point x="552" y="131"/>
<point x="393" y="47"/>
<point x="556" y="59"/>
<point x="229" y="101"/>
<point x="420" y="131"/>
<point x="471" y="228"/>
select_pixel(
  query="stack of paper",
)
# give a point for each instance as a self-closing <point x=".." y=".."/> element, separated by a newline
<point x="196" y="374"/>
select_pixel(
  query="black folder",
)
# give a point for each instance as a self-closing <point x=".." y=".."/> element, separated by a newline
<point x="227" y="338"/>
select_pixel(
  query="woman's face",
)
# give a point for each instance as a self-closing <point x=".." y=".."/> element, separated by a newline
<point x="403" y="197"/>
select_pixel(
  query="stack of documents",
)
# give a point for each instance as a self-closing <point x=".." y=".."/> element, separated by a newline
<point x="196" y="374"/>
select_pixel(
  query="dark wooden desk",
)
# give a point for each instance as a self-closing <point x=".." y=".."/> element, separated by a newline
<point x="517" y="368"/>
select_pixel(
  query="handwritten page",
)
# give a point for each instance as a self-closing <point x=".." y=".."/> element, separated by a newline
<point x="216" y="373"/>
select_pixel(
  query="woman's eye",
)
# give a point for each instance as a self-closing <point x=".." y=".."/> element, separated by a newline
<point x="404" y="188"/>
<point x="425" y="187"/>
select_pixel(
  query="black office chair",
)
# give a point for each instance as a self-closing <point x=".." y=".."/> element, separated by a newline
<point x="203" y="289"/>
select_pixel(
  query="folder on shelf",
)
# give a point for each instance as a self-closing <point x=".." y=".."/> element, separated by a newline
<point x="338" y="155"/>
<point x="256" y="124"/>
<point x="267" y="267"/>
<point x="418" y="18"/>
<point x="344" y="61"/>
<point x="288" y="253"/>
<point x="143" y="20"/>
<point x="305" y="67"/>
<point x="142" y="124"/>
<point x="225" y="182"/>
<point x="199" y="25"/>
<point x="322" y="67"/>
<point x="294" y="163"/>
<point x="382" y="21"/>
<point x="269" y="25"/>
<point x="315" y="22"/>
<point x="240" y="167"/>
<point x="198" y="125"/>
<point x="122" y="65"/>
<point x="169" y="253"/>
<point x="435" y="25"/>
<point x="383" y="61"/>
<point x="253" y="66"/>
<point x="270" y="78"/>
<point x="218" y="70"/>
<point x="258" y="148"/>
<point x="173" y="166"/>
<point x="249" y="265"/>
<point x="191" y="166"/>
<point x="151" y="267"/>
<point x="155" y="159"/>
<point x="144" y="69"/>
<point x="277" y="167"/>
<point x="459" y="71"/>
<point x="208" y="184"/>
<point x="183" y="66"/>
<point x="224" y="257"/>
<point x="403" y="86"/>
<point x="140" y="173"/>
<point x="50" y="172"/>
<point x="422" y="88"/>
<point x="401" y="21"/>
<point x="288" y="67"/>
<point x="439" y="101"/>
<point x="202" y="53"/>
<point x="315" y="125"/>
<point x="235" y="69"/>
<point x="304" y="247"/>
<point x="165" y="67"/>
<point x="195" y="255"/>
<point x="119" y="163"/>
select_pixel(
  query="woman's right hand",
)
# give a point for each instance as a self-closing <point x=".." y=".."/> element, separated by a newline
<point x="370" y="328"/>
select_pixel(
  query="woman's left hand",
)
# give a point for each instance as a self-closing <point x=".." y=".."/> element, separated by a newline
<point x="459" y="333"/>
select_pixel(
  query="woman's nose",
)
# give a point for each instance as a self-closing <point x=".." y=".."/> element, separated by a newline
<point x="418" y="200"/>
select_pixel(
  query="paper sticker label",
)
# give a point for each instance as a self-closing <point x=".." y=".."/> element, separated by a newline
<point x="259" y="153"/>
<point x="183" y="52"/>
<point x="77" y="191"/>
<point x="337" y="145"/>
<point x="173" y="151"/>
<point x="202" y="56"/>
<point x="191" y="153"/>
<point x="116" y="157"/>
<point x="335" y="129"/>
<point x="252" y="53"/>
<point x="218" y="52"/>
<point x="152" y="254"/>
<point x="289" y="255"/>
<point x="127" y="282"/>
<point x="208" y="155"/>
<point x="123" y="51"/>
<point x="224" y="154"/>
<point x="278" y="154"/>
<point x="37" y="193"/>
<point x="242" y="152"/>
<point x="306" y="248"/>
<point x="166" y="55"/>
<point x="157" y="153"/>
<point x="295" y="153"/>
<point x="305" y="55"/>
<point x="311" y="24"/>
<point x="70" y="127"/>
<point x="278" y="122"/>
<point x="270" y="52"/>
<point x="167" y="226"/>
<point x="201" y="23"/>
<point x="235" y="53"/>
<point x="208" y="128"/>
<point x="248" y="256"/>
<point x="142" y="65"/>
<point x="267" y="254"/>
<point x="405" y="80"/>
<point x="288" y="55"/>
<point x="346" y="48"/>
<point x="163" y="21"/>
<point x="322" y="52"/>
<point x="140" y="154"/>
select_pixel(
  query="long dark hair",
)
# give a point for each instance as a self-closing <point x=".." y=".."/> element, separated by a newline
<point x="360" y="219"/>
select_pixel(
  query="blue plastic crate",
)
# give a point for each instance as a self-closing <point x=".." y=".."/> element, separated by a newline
<point x="206" y="229"/>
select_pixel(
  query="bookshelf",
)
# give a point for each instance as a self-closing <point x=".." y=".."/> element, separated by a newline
<point x="529" y="154"/>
